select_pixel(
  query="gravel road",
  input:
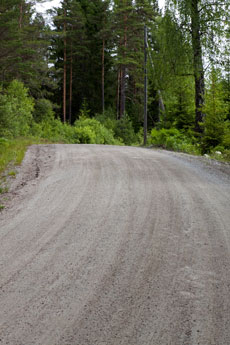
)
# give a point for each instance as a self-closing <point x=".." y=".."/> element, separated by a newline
<point x="105" y="245"/>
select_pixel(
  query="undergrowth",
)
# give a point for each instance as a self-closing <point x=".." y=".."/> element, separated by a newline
<point x="13" y="151"/>
<point x="173" y="139"/>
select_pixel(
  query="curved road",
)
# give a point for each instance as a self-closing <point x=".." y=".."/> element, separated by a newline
<point x="115" y="245"/>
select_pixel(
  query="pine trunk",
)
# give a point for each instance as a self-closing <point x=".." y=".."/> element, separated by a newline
<point x="122" y="91"/>
<point x="64" y="72"/>
<point x="118" y="92"/>
<point x="71" y="83"/>
<point x="123" y="71"/>
<point x="103" y="77"/>
<point x="198" y="66"/>
<point x="21" y="14"/>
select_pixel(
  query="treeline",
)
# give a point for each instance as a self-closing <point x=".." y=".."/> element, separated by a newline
<point x="81" y="79"/>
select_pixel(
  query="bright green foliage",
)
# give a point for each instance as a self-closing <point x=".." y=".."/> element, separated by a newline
<point x="56" y="131"/>
<point x="184" y="106"/>
<point x="84" y="111"/>
<point x="171" y="75"/>
<point x="91" y="131"/>
<point x="173" y="139"/>
<point x="13" y="151"/>
<point x="226" y="136"/>
<point x="216" y="111"/>
<point x="15" y="110"/>
<point x="205" y="21"/>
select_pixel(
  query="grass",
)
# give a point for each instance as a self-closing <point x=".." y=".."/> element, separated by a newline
<point x="13" y="152"/>
<point x="12" y="173"/>
<point x="2" y="207"/>
<point x="224" y="157"/>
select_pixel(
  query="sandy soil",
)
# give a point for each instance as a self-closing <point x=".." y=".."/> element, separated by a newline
<point x="115" y="245"/>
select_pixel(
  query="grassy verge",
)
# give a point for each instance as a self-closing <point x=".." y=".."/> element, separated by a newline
<point x="174" y="140"/>
<point x="224" y="157"/>
<point x="13" y="151"/>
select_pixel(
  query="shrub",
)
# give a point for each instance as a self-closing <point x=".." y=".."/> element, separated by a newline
<point x="108" y="119"/>
<point x="85" y="135"/>
<point x="15" y="110"/>
<point x="173" y="139"/>
<point x="91" y="131"/>
<point x="124" y="130"/>
<point x="43" y="110"/>
<point x="56" y="131"/>
<point x="226" y="136"/>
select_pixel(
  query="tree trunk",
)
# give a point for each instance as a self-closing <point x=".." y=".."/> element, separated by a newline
<point x="21" y="14"/>
<point x="161" y="104"/>
<point x="122" y="91"/>
<point x="198" y="66"/>
<point x="145" y="87"/>
<point x="123" y="71"/>
<point x="64" y="71"/>
<point x="103" y="77"/>
<point x="118" y="91"/>
<point x="71" y="83"/>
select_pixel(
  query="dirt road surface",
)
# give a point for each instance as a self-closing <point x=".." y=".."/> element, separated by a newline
<point x="115" y="245"/>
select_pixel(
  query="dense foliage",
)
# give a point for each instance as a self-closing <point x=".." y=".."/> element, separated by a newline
<point x="81" y="79"/>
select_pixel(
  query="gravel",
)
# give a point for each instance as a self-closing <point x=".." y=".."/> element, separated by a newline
<point x="115" y="245"/>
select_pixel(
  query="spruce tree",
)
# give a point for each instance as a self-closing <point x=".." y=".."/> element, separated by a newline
<point x="23" y="41"/>
<point x="216" y="110"/>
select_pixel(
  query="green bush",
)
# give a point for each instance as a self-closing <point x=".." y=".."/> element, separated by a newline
<point x="12" y="150"/>
<point x="226" y="136"/>
<point x="108" y="119"/>
<point x="124" y="130"/>
<point x="56" y="131"/>
<point x="85" y="135"/>
<point x="91" y="131"/>
<point x="226" y="155"/>
<point x="164" y="136"/>
<point x="173" y="139"/>
<point x="43" y="110"/>
<point x="15" y="110"/>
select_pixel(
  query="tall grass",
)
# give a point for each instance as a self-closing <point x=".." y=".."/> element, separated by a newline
<point x="13" y="151"/>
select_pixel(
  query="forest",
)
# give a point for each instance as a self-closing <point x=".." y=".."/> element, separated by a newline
<point x="80" y="77"/>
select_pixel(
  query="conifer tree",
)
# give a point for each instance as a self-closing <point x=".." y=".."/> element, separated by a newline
<point x="171" y="73"/>
<point x="216" y="110"/>
<point x="130" y="18"/>
<point x="85" y="33"/>
<point x="203" y="20"/>
<point x="23" y="41"/>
